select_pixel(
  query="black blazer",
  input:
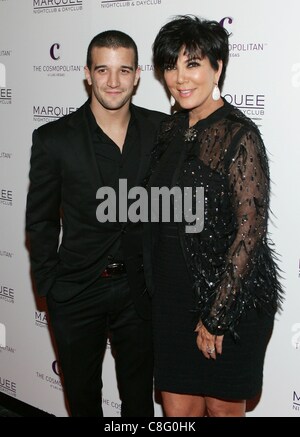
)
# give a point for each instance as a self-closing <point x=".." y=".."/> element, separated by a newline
<point x="64" y="179"/>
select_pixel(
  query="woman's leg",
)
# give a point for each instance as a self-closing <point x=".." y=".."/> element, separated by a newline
<point x="182" y="405"/>
<point x="223" y="408"/>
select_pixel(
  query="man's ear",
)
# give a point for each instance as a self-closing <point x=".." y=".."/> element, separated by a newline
<point x="137" y="76"/>
<point x="87" y="74"/>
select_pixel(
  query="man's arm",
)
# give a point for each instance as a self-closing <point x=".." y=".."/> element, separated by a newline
<point x="43" y="215"/>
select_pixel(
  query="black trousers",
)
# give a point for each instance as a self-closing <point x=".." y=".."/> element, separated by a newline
<point x="81" y="327"/>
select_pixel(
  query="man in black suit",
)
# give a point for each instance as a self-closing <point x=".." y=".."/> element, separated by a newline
<point x="94" y="279"/>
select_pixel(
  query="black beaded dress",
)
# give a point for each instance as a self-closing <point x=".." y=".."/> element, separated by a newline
<point x="225" y="275"/>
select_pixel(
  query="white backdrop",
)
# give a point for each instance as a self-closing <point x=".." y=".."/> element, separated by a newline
<point x="42" y="53"/>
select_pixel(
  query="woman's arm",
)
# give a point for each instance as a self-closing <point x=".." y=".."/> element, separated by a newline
<point x="249" y="187"/>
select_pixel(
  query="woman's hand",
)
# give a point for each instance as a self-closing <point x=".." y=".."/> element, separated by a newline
<point x="209" y="344"/>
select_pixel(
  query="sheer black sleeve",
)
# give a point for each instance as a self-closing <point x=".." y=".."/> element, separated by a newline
<point x="249" y="187"/>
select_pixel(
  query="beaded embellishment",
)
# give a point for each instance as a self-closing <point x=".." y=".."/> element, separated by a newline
<point x="190" y="134"/>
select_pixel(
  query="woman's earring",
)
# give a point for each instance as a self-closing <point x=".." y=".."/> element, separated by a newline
<point x="172" y="100"/>
<point x="216" y="93"/>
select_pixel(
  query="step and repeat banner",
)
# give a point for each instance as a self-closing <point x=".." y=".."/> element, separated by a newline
<point x="42" y="56"/>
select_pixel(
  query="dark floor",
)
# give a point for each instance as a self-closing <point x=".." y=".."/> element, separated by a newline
<point x="11" y="407"/>
<point x="7" y="413"/>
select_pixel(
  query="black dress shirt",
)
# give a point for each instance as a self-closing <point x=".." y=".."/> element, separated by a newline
<point x="114" y="164"/>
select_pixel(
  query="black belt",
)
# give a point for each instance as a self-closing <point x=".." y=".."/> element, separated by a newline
<point x="113" y="269"/>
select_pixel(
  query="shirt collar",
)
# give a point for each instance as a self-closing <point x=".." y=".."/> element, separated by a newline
<point x="93" y="125"/>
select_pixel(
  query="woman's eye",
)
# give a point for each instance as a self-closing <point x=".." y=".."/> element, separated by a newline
<point x="193" y="64"/>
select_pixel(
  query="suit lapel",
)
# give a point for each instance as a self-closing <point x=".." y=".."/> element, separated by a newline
<point x="83" y="147"/>
<point x="147" y="134"/>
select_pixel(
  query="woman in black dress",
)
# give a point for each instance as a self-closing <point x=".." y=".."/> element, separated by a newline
<point x="216" y="291"/>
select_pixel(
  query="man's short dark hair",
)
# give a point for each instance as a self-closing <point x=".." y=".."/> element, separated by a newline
<point x="111" y="39"/>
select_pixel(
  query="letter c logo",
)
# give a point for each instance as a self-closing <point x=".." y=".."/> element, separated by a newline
<point x="53" y="49"/>
<point x="224" y="21"/>
<point x="55" y="368"/>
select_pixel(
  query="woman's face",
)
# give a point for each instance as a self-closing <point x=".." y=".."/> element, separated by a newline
<point x="191" y="82"/>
